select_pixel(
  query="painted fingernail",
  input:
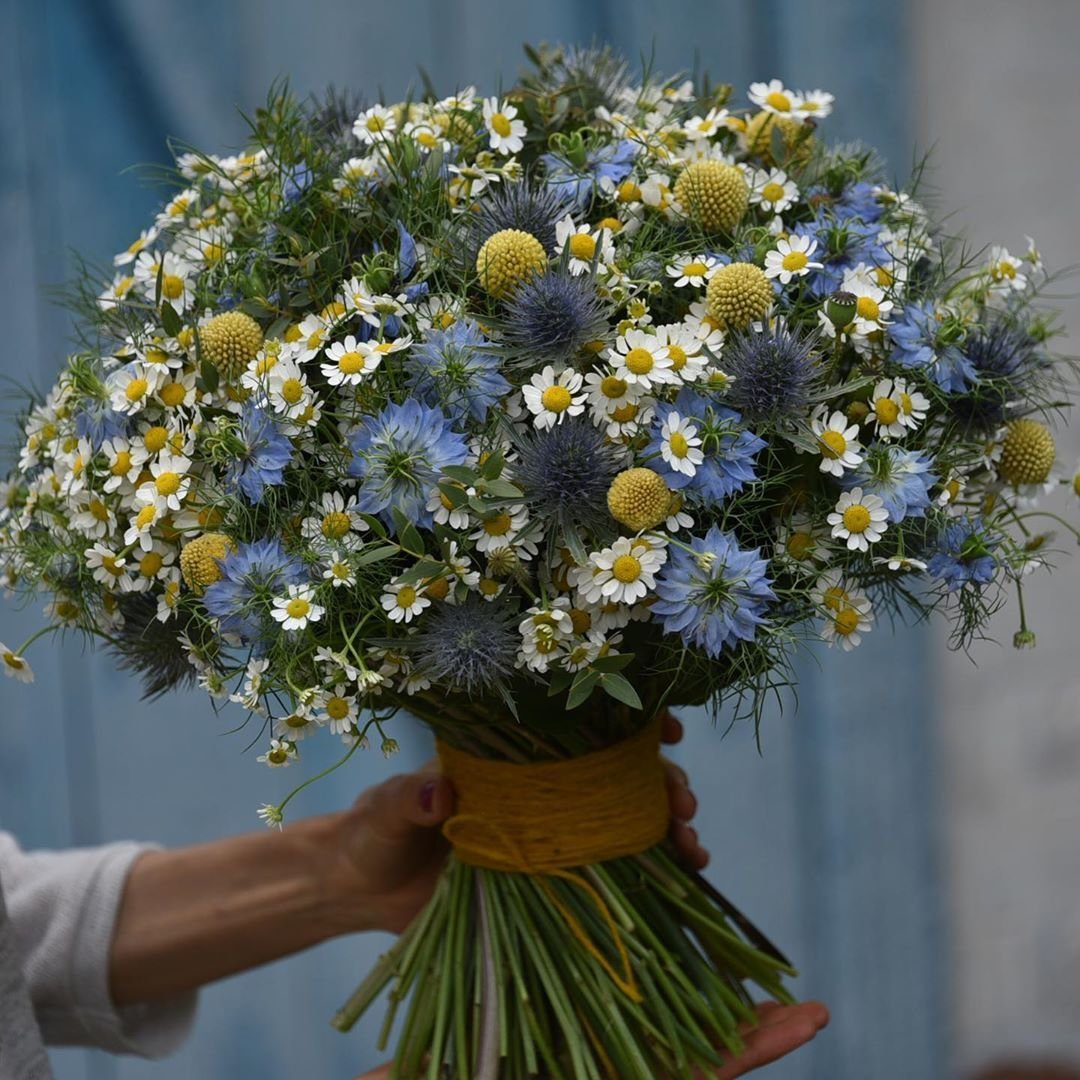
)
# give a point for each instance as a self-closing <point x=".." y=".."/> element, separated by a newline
<point x="427" y="796"/>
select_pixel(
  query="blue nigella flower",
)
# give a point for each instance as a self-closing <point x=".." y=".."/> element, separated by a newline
<point x="728" y="447"/>
<point x="902" y="479"/>
<point x="96" y="422"/>
<point x="267" y="452"/>
<point x="716" y="596"/>
<point x="551" y="316"/>
<point x="457" y="369"/>
<point x="844" y="240"/>
<point x="250" y="576"/>
<point x="399" y="456"/>
<point x="295" y="182"/>
<point x="859" y="200"/>
<point x="914" y="336"/>
<point x="964" y="555"/>
<point x="406" y="253"/>
<point x="612" y="162"/>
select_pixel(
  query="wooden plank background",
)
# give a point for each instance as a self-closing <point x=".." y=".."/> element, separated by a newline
<point x="828" y="839"/>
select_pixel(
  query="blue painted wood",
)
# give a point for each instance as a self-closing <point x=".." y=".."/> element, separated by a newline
<point x="827" y="840"/>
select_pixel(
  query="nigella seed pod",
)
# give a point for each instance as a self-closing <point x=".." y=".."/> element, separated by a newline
<point x="840" y="308"/>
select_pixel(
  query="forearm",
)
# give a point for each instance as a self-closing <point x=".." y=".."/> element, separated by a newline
<point x="197" y="914"/>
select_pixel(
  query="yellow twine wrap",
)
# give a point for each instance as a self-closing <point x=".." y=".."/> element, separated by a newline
<point x="547" y="817"/>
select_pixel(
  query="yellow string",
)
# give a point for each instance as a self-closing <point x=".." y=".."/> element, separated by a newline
<point x="547" y="817"/>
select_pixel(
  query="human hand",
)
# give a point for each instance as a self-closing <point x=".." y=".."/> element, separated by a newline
<point x="780" y="1030"/>
<point x="393" y="851"/>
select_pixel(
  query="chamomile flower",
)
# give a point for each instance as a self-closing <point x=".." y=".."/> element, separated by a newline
<point x="339" y="707"/>
<point x="839" y="442"/>
<point x="802" y="544"/>
<point x="583" y="247"/>
<point x="177" y="278"/>
<point x="15" y="666"/>
<point x="1005" y="272"/>
<point x="791" y="259"/>
<point x="141" y="243"/>
<point x="349" y="362"/>
<point x="642" y="360"/>
<point x="847" y="612"/>
<point x="286" y="388"/>
<point x="900" y="563"/>
<point x="108" y="567"/>
<point x="403" y="602"/>
<point x="626" y="570"/>
<point x="606" y="392"/>
<point x="296" y="726"/>
<point x="887" y="415"/>
<point x="132" y="387"/>
<point x="375" y="125"/>
<point x="871" y="307"/>
<point x="505" y="132"/>
<point x="551" y="397"/>
<point x="281" y="753"/>
<point x="680" y="444"/>
<point x="444" y="512"/>
<point x="815" y="104"/>
<point x="705" y="127"/>
<point x="170" y="482"/>
<point x="859" y="519"/>
<point x="773" y="191"/>
<point x="337" y="522"/>
<point x="775" y="98"/>
<point x="499" y="531"/>
<point x="692" y="270"/>
<point x="297" y="609"/>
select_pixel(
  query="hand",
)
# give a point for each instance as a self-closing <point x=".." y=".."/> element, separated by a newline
<point x="780" y="1030"/>
<point x="393" y="851"/>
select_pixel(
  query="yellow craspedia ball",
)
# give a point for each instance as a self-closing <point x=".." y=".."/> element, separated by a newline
<point x="199" y="560"/>
<point x="230" y="342"/>
<point x="715" y="195"/>
<point x="738" y="294"/>
<point x="1027" y="454"/>
<point x="639" y="499"/>
<point x="508" y="258"/>
<point x="797" y="139"/>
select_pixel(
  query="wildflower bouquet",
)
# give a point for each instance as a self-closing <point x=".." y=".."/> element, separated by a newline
<point x="532" y="416"/>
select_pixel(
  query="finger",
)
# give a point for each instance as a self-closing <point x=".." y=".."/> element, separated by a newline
<point x="422" y="799"/>
<point x="685" y="840"/>
<point x="769" y="1043"/>
<point x="376" y="1074"/>
<point x="671" y="729"/>
<point x="681" y="800"/>
<point x="770" y="1013"/>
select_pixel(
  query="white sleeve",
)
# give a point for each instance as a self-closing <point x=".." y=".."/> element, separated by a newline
<point x="62" y="907"/>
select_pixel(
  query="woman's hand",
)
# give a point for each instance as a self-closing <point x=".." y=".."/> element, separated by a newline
<point x="392" y="850"/>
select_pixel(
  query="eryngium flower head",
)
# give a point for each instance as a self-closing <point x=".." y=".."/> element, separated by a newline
<point x="154" y="650"/>
<point x="591" y="75"/>
<point x="774" y="371"/>
<point x="535" y="210"/>
<point x="552" y="316"/>
<point x="565" y="473"/>
<point x="469" y="647"/>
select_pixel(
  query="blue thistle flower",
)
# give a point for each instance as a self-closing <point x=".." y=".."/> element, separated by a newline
<point x="469" y="647"/>
<point x="96" y="422"/>
<point x="728" y="447"/>
<point x="266" y="454"/>
<point x="964" y="554"/>
<point x="565" y="473"/>
<point x="399" y="456"/>
<point x="457" y="369"/>
<point x="902" y="479"/>
<point x="915" y="337"/>
<point x="775" y="371"/>
<point x="535" y="210"/>
<point x="250" y="576"/>
<point x="715" y="596"/>
<point x="551" y="316"/>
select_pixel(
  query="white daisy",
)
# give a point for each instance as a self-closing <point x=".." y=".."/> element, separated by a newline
<point x="847" y="610"/>
<point x="585" y="248"/>
<point x="606" y="391"/>
<point x="136" y="247"/>
<point x="444" y="511"/>
<point x="686" y="351"/>
<point x="551" y="397"/>
<point x="859" y="519"/>
<point x="108" y="567"/>
<point x="339" y="707"/>
<point x="280" y="754"/>
<point x="375" y="125"/>
<point x="774" y="97"/>
<point x="791" y="258"/>
<point x="177" y="278"/>
<point x="913" y="404"/>
<point x="298" y="608"/>
<point x="815" y="103"/>
<point x="501" y="530"/>
<point x="773" y="191"/>
<point x="16" y="666"/>
<point x="296" y="726"/>
<point x="337" y="521"/>
<point x="170" y="484"/>
<point x="1005" y="271"/>
<point x="886" y="414"/>
<point x="627" y="570"/>
<point x="839" y="441"/>
<point x="642" y="360"/>
<point x="705" y="127"/>
<point x="871" y="307"/>
<point x="505" y="133"/>
<point x="897" y="563"/>
<point x="131" y="387"/>
<point x="349" y="362"/>
<point x="680" y="444"/>
<point x="403" y="602"/>
<point x="693" y="270"/>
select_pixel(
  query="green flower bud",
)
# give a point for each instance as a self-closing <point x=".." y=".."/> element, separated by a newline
<point x="841" y="308"/>
<point x="1024" y="639"/>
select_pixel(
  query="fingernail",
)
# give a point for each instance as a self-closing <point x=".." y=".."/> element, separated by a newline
<point x="427" y="796"/>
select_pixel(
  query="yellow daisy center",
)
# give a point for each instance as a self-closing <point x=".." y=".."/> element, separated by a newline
<point x="406" y="597"/>
<point x="292" y="390"/>
<point x="150" y="564"/>
<point x="110" y="564"/>
<point x="624" y="413"/>
<point x="156" y="356"/>
<point x="628" y="192"/>
<point x="296" y="721"/>
<point x="856" y="518"/>
<point x="582" y="246"/>
<point x="835" y="443"/>
<point x="298" y="607"/>
<point x="678" y="357"/>
<point x="155" y="439"/>
<point x="121" y="466"/>
<point x="98" y="510"/>
<point x="612" y="386"/>
<point x="695" y="269"/>
<point x="498" y="525"/>
<point x="145" y="517"/>
<point x="337" y="708"/>
<point x="500" y="124"/>
<point x="136" y="389"/>
<point x="835" y="598"/>
<point x="639" y="361"/>
<point x="866" y="307"/>
<point x="556" y="399"/>
<point x="335" y="525"/>
<point x="846" y="621"/>
<point x="679" y="446"/>
<point x="886" y="410"/>
<point x="794" y="260"/>
<point x="800" y="545"/>
<point x="173" y="394"/>
<point x="906" y="403"/>
<point x="16" y="663"/>
<point x="375" y="123"/>
<point x="277" y="756"/>
<point x="626" y="569"/>
<point x="772" y="191"/>
<point x="172" y="287"/>
<point x="168" y="483"/>
<point x="350" y="363"/>
<point x="779" y="101"/>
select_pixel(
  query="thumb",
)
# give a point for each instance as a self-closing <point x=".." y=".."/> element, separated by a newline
<point x="422" y="799"/>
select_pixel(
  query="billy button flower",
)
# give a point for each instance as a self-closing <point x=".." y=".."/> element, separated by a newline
<point x="508" y="258"/>
<point x="1027" y="453"/>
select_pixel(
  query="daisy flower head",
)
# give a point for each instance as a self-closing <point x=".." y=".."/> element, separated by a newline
<point x="170" y="482"/>
<point x="686" y="351"/>
<point x="900" y="563"/>
<point x="606" y="392"/>
<point x="505" y="132"/>
<point x="336" y="522"/>
<point x="1005" y="272"/>
<point x="705" y="127"/>
<point x="132" y="387"/>
<point x="791" y="259"/>
<point x="339" y="707"/>
<point x="642" y="360"/>
<point x="626" y="571"/>
<point x="859" y="519"/>
<point x="584" y="248"/>
<point x="375" y="125"/>
<point x="847" y="611"/>
<point x="403" y="602"/>
<point x="349" y="362"/>
<point x="775" y="98"/>
<point x="297" y="608"/>
<point x="815" y="104"/>
<point x="892" y="409"/>
<point x="16" y="666"/>
<point x="281" y="753"/>
<point x="801" y="543"/>
<point x="692" y="270"/>
<point x="839" y="442"/>
<point x="773" y="191"/>
<point x="680" y="444"/>
<point x="871" y="306"/>
<point x="500" y="531"/>
<point x="551" y="397"/>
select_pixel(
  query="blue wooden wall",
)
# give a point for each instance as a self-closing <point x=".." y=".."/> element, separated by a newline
<point x="828" y="839"/>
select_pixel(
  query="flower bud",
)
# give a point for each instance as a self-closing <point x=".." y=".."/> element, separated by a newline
<point x="841" y="308"/>
<point x="1024" y="639"/>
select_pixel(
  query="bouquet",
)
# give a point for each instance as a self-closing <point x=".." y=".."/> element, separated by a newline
<point x="532" y="415"/>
